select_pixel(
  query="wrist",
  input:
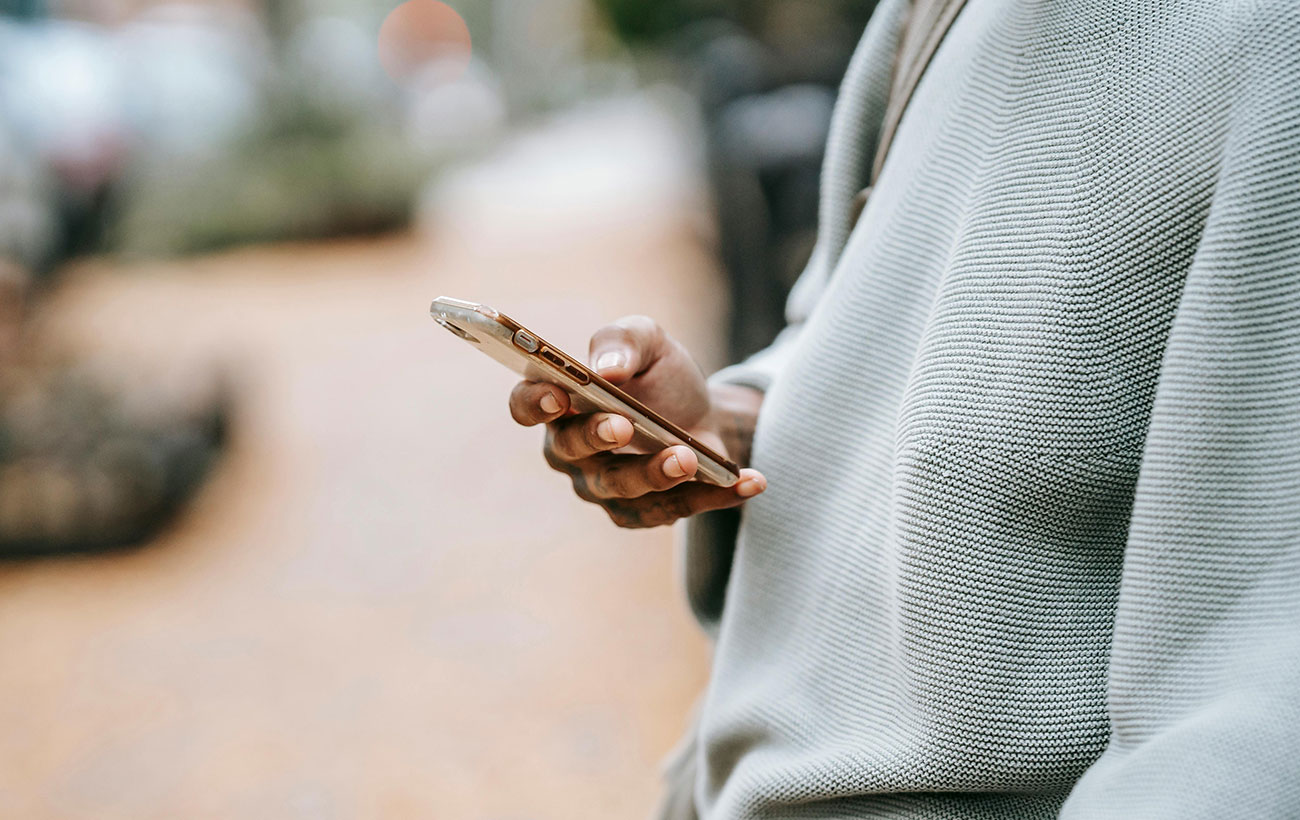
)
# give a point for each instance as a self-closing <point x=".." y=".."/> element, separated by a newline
<point x="733" y="413"/>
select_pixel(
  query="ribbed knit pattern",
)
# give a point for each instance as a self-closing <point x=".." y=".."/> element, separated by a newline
<point x="1031" y="543"/>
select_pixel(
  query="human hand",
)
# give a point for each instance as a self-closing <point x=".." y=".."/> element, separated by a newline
<point x="637" y="486"/>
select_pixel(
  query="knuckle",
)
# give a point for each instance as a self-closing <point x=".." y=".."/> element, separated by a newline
<point x="655" y="516"/>
<point x="560" y="436"/>
<point x="611" y="482"/>
<point x="581" y="489"/>
<point x="600" y="484"/>
<point x="553" y="461"/>
<point x="553" y="456"/>
<point x="619" y="515"/>
<point x="670" y="508"/>
<point x="519" y="405"/>
<point x="681" y="507"/>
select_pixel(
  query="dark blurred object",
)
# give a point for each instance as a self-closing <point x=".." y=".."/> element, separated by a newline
<point x="87" y="468"/>
<point x="87" y="463"/>
<point x="765" y="154"/>
<point x="767" y="91"/>
<point x="765" y="74"/>
<point x="14" y="284"/>
<point x="638" y="20"/>
<point x="651" y="21"/>
<point x="22" y="9"/>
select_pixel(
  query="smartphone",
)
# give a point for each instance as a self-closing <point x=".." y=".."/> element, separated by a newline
<point x="536" y="359"/>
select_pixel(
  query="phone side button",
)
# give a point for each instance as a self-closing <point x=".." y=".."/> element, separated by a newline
<point x="526" y="341"/>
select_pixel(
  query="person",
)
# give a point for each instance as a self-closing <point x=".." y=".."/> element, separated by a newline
<point x="1021" y="513"/>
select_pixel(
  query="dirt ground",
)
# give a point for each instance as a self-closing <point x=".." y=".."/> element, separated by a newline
<point x="383" y="604"/>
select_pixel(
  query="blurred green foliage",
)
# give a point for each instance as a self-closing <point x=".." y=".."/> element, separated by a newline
<point x="301" y="175"/>
<point x="649" y="20"/>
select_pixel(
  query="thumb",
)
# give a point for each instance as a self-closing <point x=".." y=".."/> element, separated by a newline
<point x="626" y="348"/>
<point x="695" y="497"/>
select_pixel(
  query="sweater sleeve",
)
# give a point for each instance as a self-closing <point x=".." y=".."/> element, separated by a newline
<point x="709" y="538"/>
<point x="1204" y="681"/>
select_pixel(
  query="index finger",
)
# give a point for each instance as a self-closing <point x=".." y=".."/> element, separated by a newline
<point x="537" y="403"/>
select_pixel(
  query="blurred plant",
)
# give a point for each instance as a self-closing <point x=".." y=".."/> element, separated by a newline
<point x="85" y="467"/>
<point x="327" y="154"/>
<point x="301" y="173"/>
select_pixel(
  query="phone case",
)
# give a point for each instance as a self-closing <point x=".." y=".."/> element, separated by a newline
<point x="535" y="359"/>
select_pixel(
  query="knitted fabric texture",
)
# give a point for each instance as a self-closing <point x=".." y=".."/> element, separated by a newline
<point x="1031" y="544"/>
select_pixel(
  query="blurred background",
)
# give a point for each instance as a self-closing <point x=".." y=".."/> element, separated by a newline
<point x="270" y="545"/>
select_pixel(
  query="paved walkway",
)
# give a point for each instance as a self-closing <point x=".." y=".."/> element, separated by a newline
<point x="384" y="605"/>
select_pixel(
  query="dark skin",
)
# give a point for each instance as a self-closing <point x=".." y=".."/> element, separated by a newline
<point x="635" y="486"/>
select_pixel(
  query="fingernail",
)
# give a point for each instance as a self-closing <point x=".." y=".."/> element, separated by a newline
<point x="549" y="403"/>
<point x="605" y="429"/>
<point x="749" y="487"/>
<point x="673" y="467"/>
<point x="610" y="360"/>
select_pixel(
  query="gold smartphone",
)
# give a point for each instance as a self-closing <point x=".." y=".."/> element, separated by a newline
<point x="532" y="357"/>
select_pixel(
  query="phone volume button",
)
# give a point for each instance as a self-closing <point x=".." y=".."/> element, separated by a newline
<point x="526" y="341"/>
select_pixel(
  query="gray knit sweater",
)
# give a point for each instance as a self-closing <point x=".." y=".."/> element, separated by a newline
<point x="1031" y="545"/>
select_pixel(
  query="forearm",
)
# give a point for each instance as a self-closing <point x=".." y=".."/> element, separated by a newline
<point x="735" y="412"/>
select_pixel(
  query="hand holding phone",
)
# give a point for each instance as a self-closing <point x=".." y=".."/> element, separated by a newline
<point x="638" y="463"/>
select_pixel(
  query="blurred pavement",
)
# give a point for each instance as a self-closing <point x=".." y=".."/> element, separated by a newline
<point x="385" y="604"/>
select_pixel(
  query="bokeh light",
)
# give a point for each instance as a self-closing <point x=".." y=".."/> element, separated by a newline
<point x="423" y="32"/>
